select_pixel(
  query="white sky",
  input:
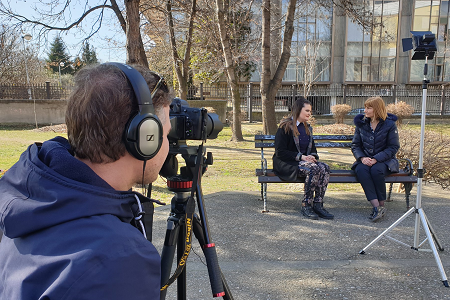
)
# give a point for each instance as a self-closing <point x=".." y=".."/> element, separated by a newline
<point x="109" y="42"/>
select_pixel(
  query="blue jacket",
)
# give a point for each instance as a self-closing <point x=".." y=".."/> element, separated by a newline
<point x="68" y="234"/>
<point x="382" y="144"/>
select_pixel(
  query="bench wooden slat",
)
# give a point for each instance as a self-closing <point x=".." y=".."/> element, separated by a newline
<point x="327" y="141"/>
<point x="338" y="179"/>
<point x="318" y="145"/>
<point x="334" y="173"/>
<point x="332" y="137"/>
<point x="336" y="176"/>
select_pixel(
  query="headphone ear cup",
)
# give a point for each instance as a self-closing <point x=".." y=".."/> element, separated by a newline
<point x="144" y="136"/>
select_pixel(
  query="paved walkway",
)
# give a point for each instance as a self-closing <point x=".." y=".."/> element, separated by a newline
<point x="281" y="255"/>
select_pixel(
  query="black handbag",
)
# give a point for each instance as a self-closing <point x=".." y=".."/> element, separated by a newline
<point x="393" y="165"/>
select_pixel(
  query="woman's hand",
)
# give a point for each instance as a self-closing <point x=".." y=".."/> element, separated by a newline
<point x="309" y="158"/>
<point x="368" y="161"/>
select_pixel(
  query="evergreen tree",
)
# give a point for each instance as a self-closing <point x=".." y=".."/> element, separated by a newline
<point x="88" y="57"/>
<point x="58" y="55"/>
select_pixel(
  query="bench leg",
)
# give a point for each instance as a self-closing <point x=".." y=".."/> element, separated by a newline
<point x="264" y="196"/>
<point x="388" y="199"/>
<point x="408" y="187"/>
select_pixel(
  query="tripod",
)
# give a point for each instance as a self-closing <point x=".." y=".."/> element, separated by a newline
<point x="421" y="218"/>
<point x="183" y="220"/>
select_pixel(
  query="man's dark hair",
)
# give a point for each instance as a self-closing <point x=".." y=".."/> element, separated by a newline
<point x="99" y="108"/>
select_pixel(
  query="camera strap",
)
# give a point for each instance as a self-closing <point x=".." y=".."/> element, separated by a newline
<point x="189" y="219"/>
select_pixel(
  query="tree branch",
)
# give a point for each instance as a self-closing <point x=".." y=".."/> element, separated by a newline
<point x="24" y="19"/>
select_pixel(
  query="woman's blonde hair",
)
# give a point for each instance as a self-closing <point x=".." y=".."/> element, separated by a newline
<point x="379" y="108"/>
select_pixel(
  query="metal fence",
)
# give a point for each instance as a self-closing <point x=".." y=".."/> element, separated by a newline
<point x="38" y="91"/>
<point x="322" y="97"/>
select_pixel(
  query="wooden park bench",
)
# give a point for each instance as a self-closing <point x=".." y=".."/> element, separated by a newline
<point x="266" y="175"/>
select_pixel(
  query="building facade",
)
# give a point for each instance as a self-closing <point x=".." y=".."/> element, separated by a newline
<point x="330" y="47"/>
<point x="334" y="52"/>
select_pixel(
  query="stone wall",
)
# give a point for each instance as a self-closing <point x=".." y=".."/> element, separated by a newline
<point x="53" y="111"/>
<point x="23" y="111"/>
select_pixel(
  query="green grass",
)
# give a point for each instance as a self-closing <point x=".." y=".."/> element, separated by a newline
<point x="233" y="167"/>
<point x="15" y="139"/>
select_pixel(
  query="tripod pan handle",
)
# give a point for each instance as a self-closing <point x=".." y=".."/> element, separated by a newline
<point x="213" y="270"/>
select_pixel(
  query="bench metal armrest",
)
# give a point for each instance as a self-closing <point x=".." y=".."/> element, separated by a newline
<point x="409" y="166"/>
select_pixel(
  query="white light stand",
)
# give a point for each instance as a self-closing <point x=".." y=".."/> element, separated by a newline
<point x="421" y="218"/>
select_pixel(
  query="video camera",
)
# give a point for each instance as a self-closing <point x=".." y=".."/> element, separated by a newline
<point x="190" y="123"/>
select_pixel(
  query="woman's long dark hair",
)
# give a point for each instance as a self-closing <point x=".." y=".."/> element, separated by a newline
<point x="290" y="121"/>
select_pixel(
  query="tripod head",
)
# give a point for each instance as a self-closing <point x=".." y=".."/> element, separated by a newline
<point x="194" y="157"/>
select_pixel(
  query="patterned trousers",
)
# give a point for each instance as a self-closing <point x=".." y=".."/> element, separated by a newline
<point x="316" y="181"/>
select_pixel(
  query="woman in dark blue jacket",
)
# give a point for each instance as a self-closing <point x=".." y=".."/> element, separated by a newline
<point x="296" y="154"/>
<point x="374" y="146"/>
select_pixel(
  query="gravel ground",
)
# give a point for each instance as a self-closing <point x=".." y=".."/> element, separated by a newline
<point x="281" y="255"/>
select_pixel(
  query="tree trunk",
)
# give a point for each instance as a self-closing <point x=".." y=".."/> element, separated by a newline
<point x="135" y="47"/>
<point x="181" y="66"/>
<point x="222" y="8"/>
<point x="269" y="87"/>
<point x="267" y="99"/>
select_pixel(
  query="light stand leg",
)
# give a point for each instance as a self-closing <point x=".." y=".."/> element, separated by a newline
<point x="421" y="214"/>
<point x="363" y="251"/>
<point x="438" y="243"/>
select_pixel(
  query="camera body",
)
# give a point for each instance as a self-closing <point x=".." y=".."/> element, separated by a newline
<point x="190" y="123"/>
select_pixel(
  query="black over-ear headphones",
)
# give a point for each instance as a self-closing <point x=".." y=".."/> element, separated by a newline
<point x="143" y="134"/>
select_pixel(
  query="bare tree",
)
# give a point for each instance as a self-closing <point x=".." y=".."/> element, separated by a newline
<point x="13" y="55"/>
<point x="52" y="19"/>
<point x="222" y="9"/>
<point x="170" y="26"/>
<point x="181" y="65"/>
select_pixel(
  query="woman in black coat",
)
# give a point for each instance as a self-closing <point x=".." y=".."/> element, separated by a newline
<point x="374" y="146"/>
<point x="296" y="154"/>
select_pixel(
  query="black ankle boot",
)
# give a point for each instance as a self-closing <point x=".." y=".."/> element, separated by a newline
<point x="308" y="212"/>
<point x="322" y="212"/>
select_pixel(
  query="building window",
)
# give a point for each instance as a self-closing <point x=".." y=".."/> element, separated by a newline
<point x="371" y="53"/>
<point x="310" y="59"/>
<point x="432" y="15"/>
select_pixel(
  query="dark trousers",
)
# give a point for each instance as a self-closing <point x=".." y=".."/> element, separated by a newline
<point x="372" y="180"/>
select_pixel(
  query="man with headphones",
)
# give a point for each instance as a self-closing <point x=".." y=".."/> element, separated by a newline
<point x="72" y="225"/>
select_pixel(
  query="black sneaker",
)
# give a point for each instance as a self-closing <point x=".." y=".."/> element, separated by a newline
<point x="378" y="213"/>
<point x="373" y="213"/>
<point x="308" y="212"/>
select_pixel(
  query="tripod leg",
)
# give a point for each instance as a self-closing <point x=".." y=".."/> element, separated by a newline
<point x="228" y="295"/>
<point x="363" y="251"/>
<point x="181" y="279"/>
<point x="212" y="263"/>
<point x="168" y="252"/>
<point x="433" y="247"/>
